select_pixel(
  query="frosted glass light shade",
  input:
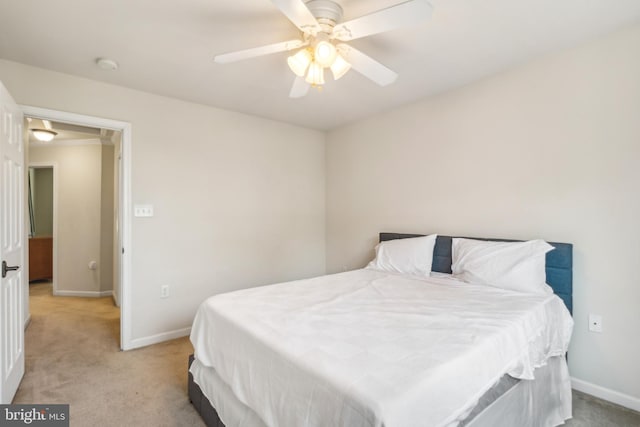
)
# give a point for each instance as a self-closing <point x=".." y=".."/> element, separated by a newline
<point x="325" y="53"/>
<point x="43" y="135"/>
<point x="315" y="76"/>
<point x="300" y="62"/>
<point x="339" y="67"/>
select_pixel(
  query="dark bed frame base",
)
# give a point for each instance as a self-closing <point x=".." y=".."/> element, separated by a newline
<point x="201" y="403"/>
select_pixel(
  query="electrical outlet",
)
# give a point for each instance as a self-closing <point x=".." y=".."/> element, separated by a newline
<point x="595" y="323"/>
<point x="164" y="291"/>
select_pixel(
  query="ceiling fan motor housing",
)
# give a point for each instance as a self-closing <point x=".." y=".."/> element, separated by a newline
<point x="325" y="11"/>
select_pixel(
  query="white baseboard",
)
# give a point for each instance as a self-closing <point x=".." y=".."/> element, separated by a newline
<point x="606" y="394"/>
<point x="90" y="294"/>
<point x="155" y="339"/>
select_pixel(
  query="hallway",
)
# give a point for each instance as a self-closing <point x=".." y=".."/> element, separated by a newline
<point x="73" y="356"/>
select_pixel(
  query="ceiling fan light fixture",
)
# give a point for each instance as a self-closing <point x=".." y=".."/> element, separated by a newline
<point x="300" y="62"/>
<point x="315" y="76"/>
<point x="325" y="53"/>
<point x="321" y="43"/>
<point x="43" y="135"/>
<point x="339" y="67"/>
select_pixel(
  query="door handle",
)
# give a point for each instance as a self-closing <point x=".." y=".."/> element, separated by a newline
<point x="6" y="268"/>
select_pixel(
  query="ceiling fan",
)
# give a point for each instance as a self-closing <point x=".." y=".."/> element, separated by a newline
<point x="320" y="43"/>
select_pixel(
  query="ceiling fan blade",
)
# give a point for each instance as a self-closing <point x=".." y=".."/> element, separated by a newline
<point x="400" y="15"/>
<point x="258" y="51"/>
<point x="298" y="13"/>
<point x="367" y="66"/>
<point x="300" y="88"/>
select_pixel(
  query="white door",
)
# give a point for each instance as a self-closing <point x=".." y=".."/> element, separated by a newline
<point x="12" y="232"/>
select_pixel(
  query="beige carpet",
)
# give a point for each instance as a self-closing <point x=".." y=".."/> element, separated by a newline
<point x="72" y="349"/>
<point x="72" y="356"/>
<point x="589" y="411"/>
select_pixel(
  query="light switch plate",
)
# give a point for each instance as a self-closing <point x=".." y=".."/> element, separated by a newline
<point x="143" y="211"/>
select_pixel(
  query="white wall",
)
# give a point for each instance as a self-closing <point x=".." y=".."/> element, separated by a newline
<point x="238" y="200"/>
<point x="78" y="170"/>
<point x="548" y="150"/>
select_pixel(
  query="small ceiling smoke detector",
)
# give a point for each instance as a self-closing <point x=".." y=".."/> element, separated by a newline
<point x="107" y="64"/>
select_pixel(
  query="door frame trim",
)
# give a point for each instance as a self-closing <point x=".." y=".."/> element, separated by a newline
<point x="126" y="309"/>
<point x="54" y="166"/>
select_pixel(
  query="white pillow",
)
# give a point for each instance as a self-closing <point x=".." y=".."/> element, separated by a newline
<point x="409" y="256"/>
<point x="517" y="266"/>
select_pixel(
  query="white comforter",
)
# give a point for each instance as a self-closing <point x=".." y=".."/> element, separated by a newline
<point x="367" y="348"/>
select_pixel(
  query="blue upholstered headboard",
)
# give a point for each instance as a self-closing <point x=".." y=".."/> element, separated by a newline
<point x="559" y="263"/>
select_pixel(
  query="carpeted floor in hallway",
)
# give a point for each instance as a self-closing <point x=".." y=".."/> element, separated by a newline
<point x="72" y="356"/>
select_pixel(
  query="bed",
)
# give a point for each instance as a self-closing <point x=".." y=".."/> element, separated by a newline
<point x="360" y="348"/>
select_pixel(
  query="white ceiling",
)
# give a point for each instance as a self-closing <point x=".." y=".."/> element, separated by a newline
<point x="167" y="47"/>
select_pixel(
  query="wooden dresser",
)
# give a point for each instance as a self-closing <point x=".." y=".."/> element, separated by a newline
<point x="40" y="258"/>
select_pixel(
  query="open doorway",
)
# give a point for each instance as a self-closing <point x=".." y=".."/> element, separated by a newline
<point x="40" y="206"/>
<point x="73" y="196"/>
<point x="89" y="162"/>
